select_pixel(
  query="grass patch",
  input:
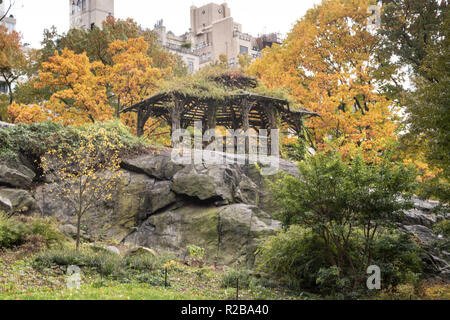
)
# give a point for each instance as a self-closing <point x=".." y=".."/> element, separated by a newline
<point x="140" y="267"/>
<point x="111" y="291"/>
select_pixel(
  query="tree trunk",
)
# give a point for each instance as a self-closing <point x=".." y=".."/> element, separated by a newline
<point x="11" y="94"/>
<point x="78" y="231"/>
<point x="118" y="108"/>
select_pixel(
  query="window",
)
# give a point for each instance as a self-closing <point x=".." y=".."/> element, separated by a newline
<point x="3" y="87"/>
<point x="203" y="56"/>
<point x="83" y="4"/>
<point x="191" y="66"/>
<point x="244" y="50"/>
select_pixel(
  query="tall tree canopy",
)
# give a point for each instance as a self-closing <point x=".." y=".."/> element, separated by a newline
<point x="12" y="59"/>
<point x="79" y="95"/>
<point x="132" y="74"/>
<point x="96" y="43"/>
<point x="327" y="62"/>
<point x="415" y="33"/>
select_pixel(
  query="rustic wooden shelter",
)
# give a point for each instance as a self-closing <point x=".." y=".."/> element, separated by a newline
<point x="231" y="100"/>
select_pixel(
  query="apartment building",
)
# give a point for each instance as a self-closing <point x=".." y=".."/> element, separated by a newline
<point x="86" y="14"/>
<point x="213" y="34"/>
<point x="179" y="45"/>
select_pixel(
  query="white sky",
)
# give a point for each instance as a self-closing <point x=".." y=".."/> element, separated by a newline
<point x="256" y="16"/>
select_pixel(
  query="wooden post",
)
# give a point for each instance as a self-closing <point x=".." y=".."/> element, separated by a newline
<point x="177" y="112"/>
<point x="212" y="116"/>
<point x="210" y="120"/>
<point x="246" y="108"/>
<point x="165" y="277"/>
<point x="140" y="124"/>
<point x="298" y="124"/>
<point x="272" y="125"/>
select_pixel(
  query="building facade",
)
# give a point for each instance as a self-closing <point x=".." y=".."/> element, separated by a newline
<point x="86" y="14"/>
<point x="213" y="34"/>
<point x="9" y="22"/>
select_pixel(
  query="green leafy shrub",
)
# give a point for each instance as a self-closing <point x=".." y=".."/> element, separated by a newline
<point x="295" y="256"/>
<point x="399" y="258"/>
<point x="120" y="134"/>
<point x="16" y="231"/>
<point x="346" y="206"/>
<point x="295" y="150"/>
<point x="299" y="258"/>
<point x="31" y="141"/>
<point x="330" y="282"/>
<point x="143" y="262"/>
<point x="230" y="278"/>
<point x="105" y="263"/>
<point x="196" y="255"/>
<point x="442" y="228"/>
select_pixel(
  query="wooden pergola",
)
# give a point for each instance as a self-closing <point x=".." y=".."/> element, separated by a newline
<point x="236" y="109"/>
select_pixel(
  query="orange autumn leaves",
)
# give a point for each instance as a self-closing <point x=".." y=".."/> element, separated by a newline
<point x="85" y="91"/>
<point x="326" y="62"/>
<point x="79" y="95"/>
<point x="131" y="75"/>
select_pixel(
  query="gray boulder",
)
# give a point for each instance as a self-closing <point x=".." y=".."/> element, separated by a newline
<point x="247" y="192"/>
<point x="160" y="196"/>
<point x="18" y="176"/>
<point x="424" y="234"/>
<point x="228" y="234"/>
<point x="112" y="249"/>
<point x="207" y="183"/>
<point x="5" y="204"/>
<point x="6" y="125"/>
<point x="20" y="201"/>
<point x="70" y="231"/>
<point x="137" y="196"/>
<point x="421" y="214"/>
<point x="417" y="217"/>
<point x="158" y="165"/>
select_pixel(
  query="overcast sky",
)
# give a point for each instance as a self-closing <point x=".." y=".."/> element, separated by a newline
<point x="256" y="16"/>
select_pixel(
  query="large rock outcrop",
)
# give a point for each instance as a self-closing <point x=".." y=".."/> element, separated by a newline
<point x="166" y="206"/>
<point x="137" y="196"/>
<point x="419" y="223"/>
<point x="227" y="233"/>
